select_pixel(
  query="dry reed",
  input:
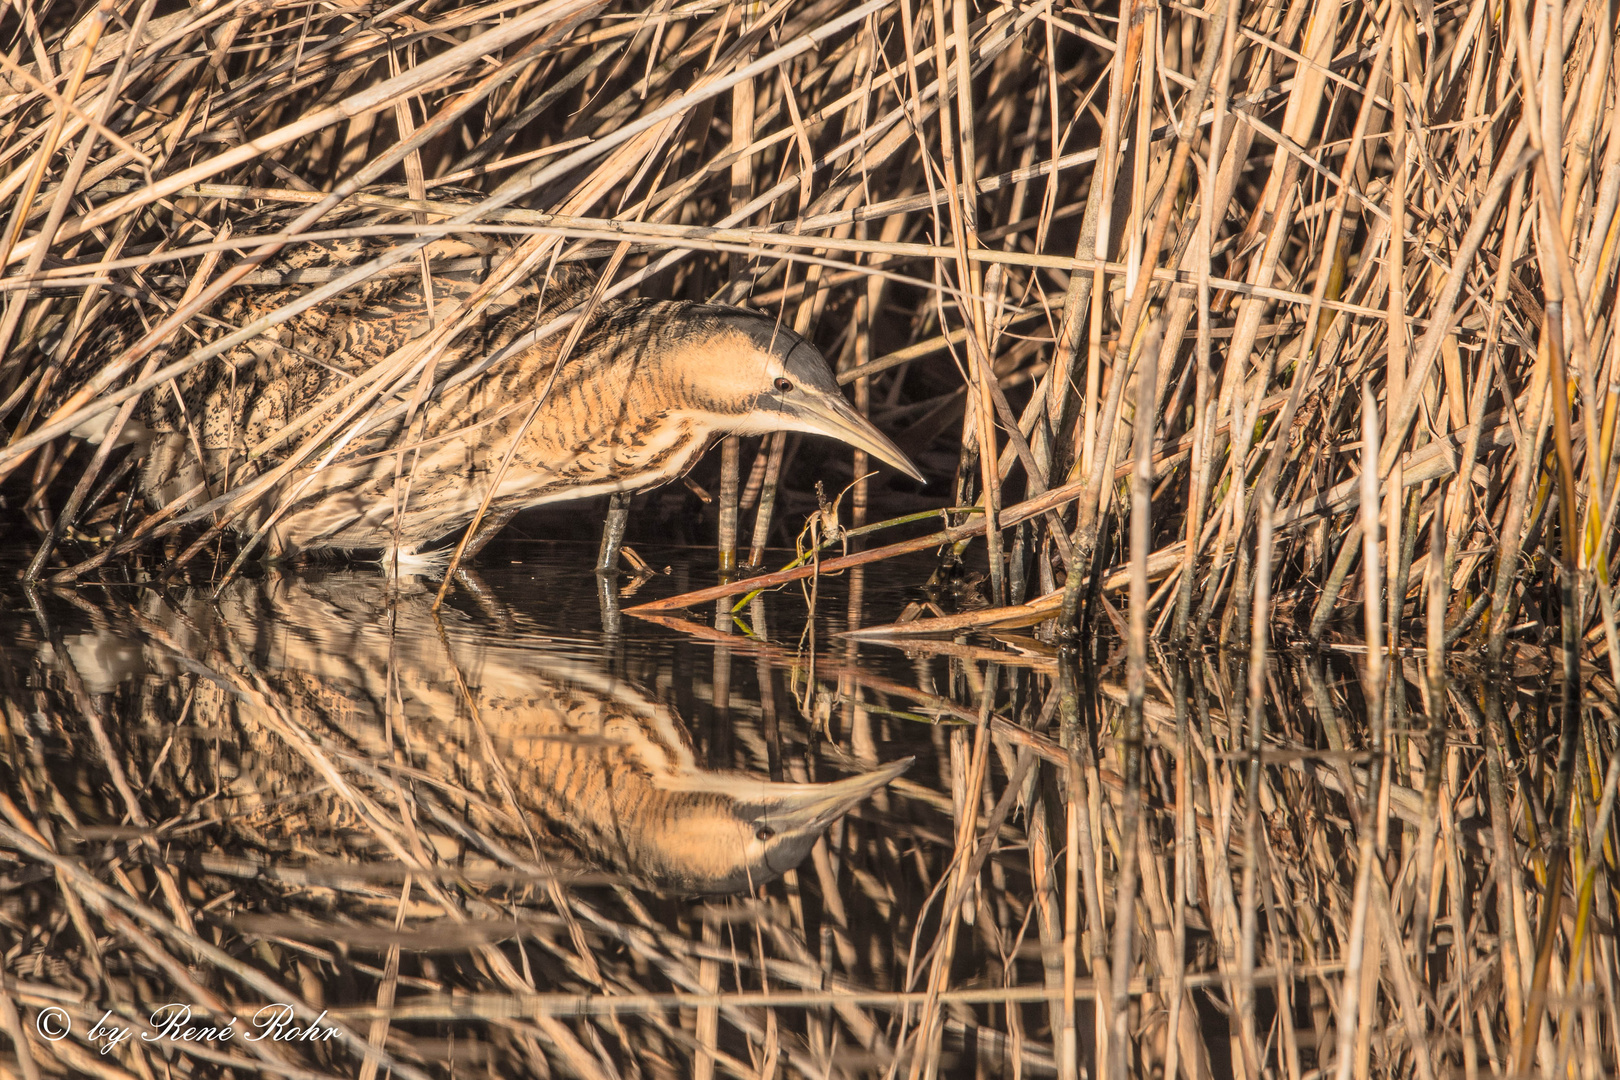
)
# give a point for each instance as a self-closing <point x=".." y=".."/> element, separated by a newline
<point x="1294" y="321"/>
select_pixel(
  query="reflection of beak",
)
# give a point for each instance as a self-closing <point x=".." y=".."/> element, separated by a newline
<point x="829" y="414"/>
<point x="746" y="830"/>
<point x="810" y="808"/>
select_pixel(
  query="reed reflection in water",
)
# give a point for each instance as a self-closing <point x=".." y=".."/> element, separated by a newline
<point x="470" y="841"/>
<point x="329" y="689"/>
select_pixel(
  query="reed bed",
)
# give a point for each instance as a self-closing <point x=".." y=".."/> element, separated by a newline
<point x="1249" y="325"/>
<point x="971" y="210"/>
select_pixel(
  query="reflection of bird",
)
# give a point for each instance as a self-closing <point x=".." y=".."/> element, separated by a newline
<point x="590" y="761"/>
<point x="646" y="388"/>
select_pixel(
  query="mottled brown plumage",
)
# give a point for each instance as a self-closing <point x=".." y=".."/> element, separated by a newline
<point x="357" y="681"/>
<point x="644" y="391"/>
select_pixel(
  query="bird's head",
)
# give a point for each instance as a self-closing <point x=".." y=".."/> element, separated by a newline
<point x="759" y="377"/>
<point x="733" y="832"/>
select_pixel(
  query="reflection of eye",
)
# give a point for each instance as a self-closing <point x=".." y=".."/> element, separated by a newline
<point x="784" y="385"/>
<point x="765" y="831"/>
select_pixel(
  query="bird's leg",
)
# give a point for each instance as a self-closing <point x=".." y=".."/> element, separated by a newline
<point x="618" y="516"/>
<point x="607" y="595"/>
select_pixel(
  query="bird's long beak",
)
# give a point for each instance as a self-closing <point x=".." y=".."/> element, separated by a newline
<point x="827" y="413"/>
<point x="810" y="808"/>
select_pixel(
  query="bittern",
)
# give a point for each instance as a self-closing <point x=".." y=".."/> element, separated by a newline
<point x="646" y="388"/>
<point x="487" y="729"/>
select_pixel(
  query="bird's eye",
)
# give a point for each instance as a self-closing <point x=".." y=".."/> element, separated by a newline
<point x="784" y="385"/>
<point x="765" y="831"/>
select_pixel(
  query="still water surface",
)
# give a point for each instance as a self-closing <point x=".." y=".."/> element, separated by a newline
<point x="312" y="753"/>
<point x="533" y="834"/>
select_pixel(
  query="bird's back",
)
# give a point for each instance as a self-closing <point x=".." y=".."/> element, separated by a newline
<point x="231" y="419"/>
<point x="249" y="394"/>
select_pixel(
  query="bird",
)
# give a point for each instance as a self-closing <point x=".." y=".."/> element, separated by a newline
<point x="645" y="388"/>
<point x="355" y="689"/>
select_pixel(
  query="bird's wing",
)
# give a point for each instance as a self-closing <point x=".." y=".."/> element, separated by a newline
<point x="254" y="390"/>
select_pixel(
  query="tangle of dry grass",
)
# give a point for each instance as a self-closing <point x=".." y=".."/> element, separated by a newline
<point x="1245" y="324"/>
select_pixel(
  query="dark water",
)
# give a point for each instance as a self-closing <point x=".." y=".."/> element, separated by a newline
<point x="564" y="787"/>
<point x="526" y="655"/>
<point x="535" y="834"/>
